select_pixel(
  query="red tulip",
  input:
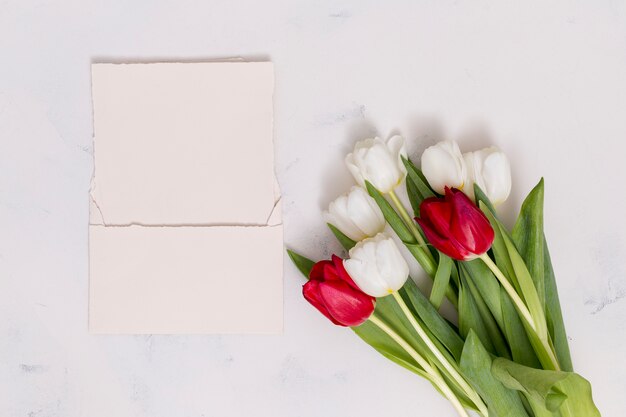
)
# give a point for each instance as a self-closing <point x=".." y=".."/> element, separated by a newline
<point x="455" y="226"/>
<point x="331" y="290"/>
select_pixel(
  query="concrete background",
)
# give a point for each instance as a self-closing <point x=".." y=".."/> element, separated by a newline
<point x="543" y="80"/>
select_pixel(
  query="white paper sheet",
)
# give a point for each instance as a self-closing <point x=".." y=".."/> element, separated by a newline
<point x="185" y="233"/>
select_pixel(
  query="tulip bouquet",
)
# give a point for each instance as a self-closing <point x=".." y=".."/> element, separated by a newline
<point x="507" y="355"/>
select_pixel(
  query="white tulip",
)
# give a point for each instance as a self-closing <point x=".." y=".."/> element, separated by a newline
<point x="491" y="170"/>
<point x="378" y="162"/>
<point x="377" y="266"/>
<point x="443" y="165"/>
<point x="356" y="215"/>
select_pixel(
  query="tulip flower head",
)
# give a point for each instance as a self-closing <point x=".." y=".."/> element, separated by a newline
<point x="356" y="215"/>
<point x="378" y="162"/>
<point x="331" y="290"/>
<point x="490" y="169"/>
<point x="377" y="266"/>
<point x="455" y="226"/>
<point x="443" y="166"/>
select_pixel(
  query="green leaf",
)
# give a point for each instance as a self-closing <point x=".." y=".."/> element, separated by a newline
<point x="506" y="254"/>
<point x="427" y="264"/>
<point x="442" y="278"/>
<point x="402" y="325"/>
<point x="379" y="340"/>
<point x="521" y="349"/>
<point x="454" y="274"/>
<point x="554" y="316"/>
<point x="487" y="285"/>
<point x="567" y="393"/>
<point x="491" y="327"/>
<point x="502" y="310"/>
<point x="470" y="319"/>
<point x="345" y="241"/>
<point x="415" y="197"/>
<point x="303" y="264"/>
<point x="424" y="310"/>
<point x="528" y="237"/>
<point x="499" y="247"/>
<point x="415" y="176"/>
<point x="437" y="329"/>
<point x="476" y="365"/>
<point x="406" y="236"/>
<point x="528" y="290"/>
<point x="388" y="311"/>
<point x="481" y="197"/>
<point x="538" y="336"/>
<point x="530" y="240"/>
<point x="393" y="218"/>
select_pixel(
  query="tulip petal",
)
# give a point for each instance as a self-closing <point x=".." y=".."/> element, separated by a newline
<point x="468" y="225"/>
<point x="381" y="168"/>
<point x="443" y="165"/>
<point x="455" y="226"/>
<point x="444" y="244"/>
<point x="391" y="264"/>
<point x="397" y="149"/>
<point x="342" y="273"/>
<point x="354" y="169"/>
<point x="437" y="213"/>
<point x="339" y="215"/>
<point x="490" y="169"/>
<point x="471" y="176"/>
<point x="323" y="271"/>
<point x="364" y="213"/>
<point x="496" y="174"/>
<point x="377" y="266"/>
<point x="363" y="269"/>
<point x="378" y="162"/>
<point x="366" y="277"/>
<point x="311" y="292"/>
<point x="348" y="306"/>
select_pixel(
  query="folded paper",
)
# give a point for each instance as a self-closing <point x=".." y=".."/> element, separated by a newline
<point x="185" y="231"/>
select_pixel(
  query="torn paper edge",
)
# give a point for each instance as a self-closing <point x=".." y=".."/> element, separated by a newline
<point x="276" y="214"/>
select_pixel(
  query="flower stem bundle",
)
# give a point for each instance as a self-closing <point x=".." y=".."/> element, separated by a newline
<point x="509" y="354"/>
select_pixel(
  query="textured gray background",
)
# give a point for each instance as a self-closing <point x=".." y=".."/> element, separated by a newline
<point x="543" y="80"/>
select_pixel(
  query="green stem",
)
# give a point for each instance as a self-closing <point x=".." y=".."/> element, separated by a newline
<point x="523" y="311"/>
<point x="421" y="252"/>
<point x="517" y="300"/>
<point x="407" y="219"/>
<point x="430" y="266"/>
<point x="434" y="375"/>
<point x="458" y="378"/>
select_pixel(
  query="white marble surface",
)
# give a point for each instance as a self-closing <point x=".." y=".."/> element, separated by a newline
<point x="543" y="80"/>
